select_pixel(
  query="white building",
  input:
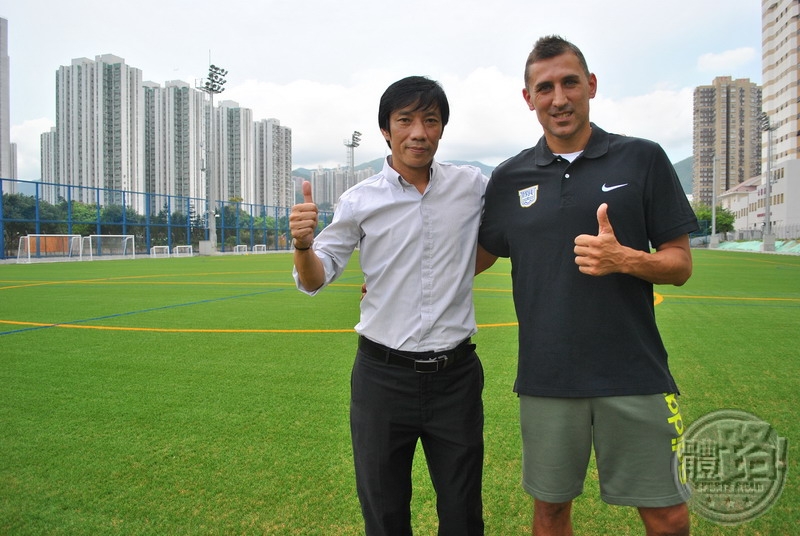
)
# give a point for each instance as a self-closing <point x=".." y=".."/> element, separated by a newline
<point x="174" y="123"/>
<point x="273" y="164"/>
<point x="99" y="129"/>
<point x="233" y="153"/>
<point x="747" y="201"/>
<point x="8" y="164"/>
<point x="780" y="22"/>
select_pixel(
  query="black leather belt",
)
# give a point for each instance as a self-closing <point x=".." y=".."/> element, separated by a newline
<point x="422" y="362"/>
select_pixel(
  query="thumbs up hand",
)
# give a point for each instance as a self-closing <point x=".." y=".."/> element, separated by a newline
<point x="599" y="254"/>
<point x="303" y="219"/>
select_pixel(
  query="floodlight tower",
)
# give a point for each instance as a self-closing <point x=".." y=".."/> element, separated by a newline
<point x="213" y="85"/>
<point x="768" y="240"/>
<point x="351" y="144"/>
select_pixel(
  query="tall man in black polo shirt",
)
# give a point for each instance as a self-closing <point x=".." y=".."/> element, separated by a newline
<point x="577" y="214"/>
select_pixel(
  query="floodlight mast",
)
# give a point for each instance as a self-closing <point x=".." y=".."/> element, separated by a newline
<point x="351" y="144"/>
<point x="213" y="85"/>
<point x="768" y="240"/>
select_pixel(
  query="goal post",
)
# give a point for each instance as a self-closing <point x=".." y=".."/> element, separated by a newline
<point x="109" y="246"/>
<point x="159" y="252"/>
<point x="259" y="248"/>
<point x="49" y="247"/>
<point x="240" y="249"/>
<point x="182" y="251"/>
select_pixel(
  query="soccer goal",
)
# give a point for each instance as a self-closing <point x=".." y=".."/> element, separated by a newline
<point x="109" y="247"/>
<point x="182" y="251"/>
<point x="49" y="247"/>
<point x="259" y="248"/>
<point x="159" y="252"/>
<point x="240" y="249"/>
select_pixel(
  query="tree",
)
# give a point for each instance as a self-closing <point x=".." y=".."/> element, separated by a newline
<point x="724" y="221"/>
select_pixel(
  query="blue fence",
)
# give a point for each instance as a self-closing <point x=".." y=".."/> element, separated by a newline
<point x="154" y="220"/>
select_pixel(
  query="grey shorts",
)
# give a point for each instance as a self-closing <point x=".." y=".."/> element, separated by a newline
<point x="638" y="443"/>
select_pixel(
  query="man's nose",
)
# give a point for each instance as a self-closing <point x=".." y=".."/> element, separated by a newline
<point x="559" y="96"/>
<point x="418" y="129"/>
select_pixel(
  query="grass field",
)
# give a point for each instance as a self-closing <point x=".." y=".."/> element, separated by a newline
<point x="207" y="396"/>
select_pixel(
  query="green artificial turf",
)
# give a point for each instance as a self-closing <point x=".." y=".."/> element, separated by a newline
<point x="206" y="395"/>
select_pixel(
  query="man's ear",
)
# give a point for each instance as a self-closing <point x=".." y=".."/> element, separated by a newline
<point x="592" y="85"/>
<point x="528" y="100"/>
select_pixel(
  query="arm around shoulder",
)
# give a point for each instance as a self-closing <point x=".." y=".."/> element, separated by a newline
<point x="483" y="260"/>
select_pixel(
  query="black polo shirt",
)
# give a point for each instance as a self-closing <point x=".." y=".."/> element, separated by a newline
<point x="582" y="335"/>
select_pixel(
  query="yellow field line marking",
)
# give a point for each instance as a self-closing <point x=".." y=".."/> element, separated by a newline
<point x="658" y="298"/>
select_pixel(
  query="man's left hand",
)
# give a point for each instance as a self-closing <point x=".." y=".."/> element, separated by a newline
<point x="601" y="254"/>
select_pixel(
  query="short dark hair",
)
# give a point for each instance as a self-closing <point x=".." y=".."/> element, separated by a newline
<point x="426" y="93"/>
<point x="551" y="46"/>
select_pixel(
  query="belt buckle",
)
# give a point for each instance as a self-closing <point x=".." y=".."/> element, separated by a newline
<point x="439" y="359"/>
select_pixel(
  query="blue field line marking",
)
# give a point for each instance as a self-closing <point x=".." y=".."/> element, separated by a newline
<point x="129" y="313"/>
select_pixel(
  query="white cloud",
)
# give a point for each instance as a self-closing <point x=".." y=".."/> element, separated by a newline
<point x="664" y="116"/>
<point x="726" y="62"/>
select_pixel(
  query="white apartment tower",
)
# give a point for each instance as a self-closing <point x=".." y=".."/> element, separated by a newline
<point x="273" y="164"/>
<point x="780" y="39"/>
<point x="727" y="136"/>
<point x="49" y="163"/>
<point x="99" y="131"/>
<point x="233" y="152"/>
<point x="174" y="138"/>
<point x="780" y="23"/>
<point x="8" y="168"/>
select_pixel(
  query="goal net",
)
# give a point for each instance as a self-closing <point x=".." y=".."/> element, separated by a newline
<point x="182" y="251"/>
<point x="109" y="246"/>
<point x="259" y="248"/>
<point x="49" y="247"/>
<point x="159" y="252"/>
<point x="240" y="249"/>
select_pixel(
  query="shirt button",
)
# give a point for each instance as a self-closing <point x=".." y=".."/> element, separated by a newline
<point x="566" y="175"/>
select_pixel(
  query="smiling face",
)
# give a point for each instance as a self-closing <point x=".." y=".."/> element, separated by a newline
<point x="414" y="136"/>
<point x="559" y="90"/>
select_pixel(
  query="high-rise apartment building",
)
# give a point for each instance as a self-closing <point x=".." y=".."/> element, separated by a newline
<point x="233" y="152"/>
<point x="49" y="163"/>
<point x="115" y="132"/>
<point x="99" y="129"/>
<point x="174" y="139"/>
<point x="780" y="21"/>
<point x="727" y="136"/>
<point x="273" y="164"/>
<point x="8" y="168"/>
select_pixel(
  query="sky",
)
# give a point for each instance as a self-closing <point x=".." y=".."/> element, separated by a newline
<point x="320" y="66"/>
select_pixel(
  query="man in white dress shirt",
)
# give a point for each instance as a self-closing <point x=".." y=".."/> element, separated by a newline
<point x="416" y="375"/>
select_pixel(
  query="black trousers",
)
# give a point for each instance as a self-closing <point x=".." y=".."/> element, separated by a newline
<point x="392" y="408"/>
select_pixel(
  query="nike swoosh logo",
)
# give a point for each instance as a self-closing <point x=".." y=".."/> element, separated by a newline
<point x="609" y="188"/>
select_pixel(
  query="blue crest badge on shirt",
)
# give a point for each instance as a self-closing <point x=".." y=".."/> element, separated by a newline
<point x="527" y="197"/>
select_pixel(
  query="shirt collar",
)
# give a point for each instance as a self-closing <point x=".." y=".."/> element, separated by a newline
<point x="595" y="148"/>
<point x="396" y="180"/>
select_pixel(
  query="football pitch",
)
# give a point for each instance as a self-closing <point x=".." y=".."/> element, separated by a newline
<point x="206" y="395"/>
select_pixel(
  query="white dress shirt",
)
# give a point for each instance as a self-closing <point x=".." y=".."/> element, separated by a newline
<point x="417" y="255"/>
